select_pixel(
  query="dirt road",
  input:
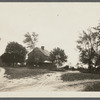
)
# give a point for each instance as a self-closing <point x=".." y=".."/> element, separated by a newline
<point x="47" y="82"/>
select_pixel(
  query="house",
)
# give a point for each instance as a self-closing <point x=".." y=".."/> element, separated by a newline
<point x="39" y="54"/>
<point x="39" y="57"/>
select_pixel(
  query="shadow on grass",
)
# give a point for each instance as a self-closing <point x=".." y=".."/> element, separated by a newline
<point x="21" y="72"/>
<point x="93" y="86"/>
<point x="79" y="76"/>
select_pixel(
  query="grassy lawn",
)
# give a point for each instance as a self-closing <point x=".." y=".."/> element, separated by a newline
<point x="93" y="86"/>
<point x="21" y="72"/>
<point x="79" y="76"/>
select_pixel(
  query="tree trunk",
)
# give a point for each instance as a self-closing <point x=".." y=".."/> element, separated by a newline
<point x="89" y="67"/>
<point x="13" y="64"/>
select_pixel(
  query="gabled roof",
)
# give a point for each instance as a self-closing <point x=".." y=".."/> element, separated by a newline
<point x="45" y="52"/>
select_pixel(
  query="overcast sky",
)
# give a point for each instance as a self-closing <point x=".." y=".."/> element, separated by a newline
<point x="58" y="24"/>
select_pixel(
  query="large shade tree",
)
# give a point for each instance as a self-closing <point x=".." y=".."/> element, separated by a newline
<point x="88" y="45"/>
<point x="97" y="45"/>
<point x="14" y="53"/>
<point x="58" y="56"/>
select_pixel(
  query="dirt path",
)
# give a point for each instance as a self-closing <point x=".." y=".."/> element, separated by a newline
<point x="37" y="83"/>
<point x="47" y="82"/>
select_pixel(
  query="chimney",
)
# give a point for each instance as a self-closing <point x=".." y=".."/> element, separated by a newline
<point x="42" y="47"/>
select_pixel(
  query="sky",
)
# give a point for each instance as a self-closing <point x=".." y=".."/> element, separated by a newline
<point x="58" y="24"/>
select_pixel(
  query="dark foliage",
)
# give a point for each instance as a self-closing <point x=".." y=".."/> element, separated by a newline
<point x="58" y="56"/>
<point x="14" y="53"/>
<point x="88" y="45"/>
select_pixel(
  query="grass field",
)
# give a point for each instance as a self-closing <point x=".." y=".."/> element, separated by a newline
<point x="93" y="86"/>
<point x="21" y="72"/>
<point x="88" y="86"/>
<point x="79" y="76"/>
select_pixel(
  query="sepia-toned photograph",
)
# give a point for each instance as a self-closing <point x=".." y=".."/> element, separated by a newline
<point x="49" y="47"/>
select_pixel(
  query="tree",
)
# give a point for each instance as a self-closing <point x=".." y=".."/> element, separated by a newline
<point x="88" y="48"/>
<point x="6" y="58"/>
<point x="58" y="56"/>
<point x="97" y="45"/>
<point x="14" y="53"/>
<point x="30" y="40"/>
